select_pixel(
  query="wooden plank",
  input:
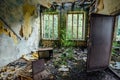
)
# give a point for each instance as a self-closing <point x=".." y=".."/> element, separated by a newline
<point x="45" y="49"/>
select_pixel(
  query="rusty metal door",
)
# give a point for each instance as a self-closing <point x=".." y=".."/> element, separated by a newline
<point x="99" y="45"/>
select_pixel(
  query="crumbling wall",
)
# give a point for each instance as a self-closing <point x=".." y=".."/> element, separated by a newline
<point x="22" y="19"/>
<point x="110" y="6"/>
<point x="7" y="32"/>
<point x="28" y="11"/>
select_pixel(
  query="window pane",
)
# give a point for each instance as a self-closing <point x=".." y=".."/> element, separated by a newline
<point x="55" y="26"/>
<point x="75" y="26"/>
<point x="50" y="26"/>
<point x="118" y="30"/>
<point x="80" y="25"/>
<point x="69" y="26"/>
<point x="42" y="26"/>
<point x="46" y="23"/>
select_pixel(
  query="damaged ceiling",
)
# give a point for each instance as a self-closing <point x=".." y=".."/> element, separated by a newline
<point x="48" y="3"/>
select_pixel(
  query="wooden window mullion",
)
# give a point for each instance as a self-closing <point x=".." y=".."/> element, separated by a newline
<point x="67" y="27"/>
<point x="83" y="26"/>
<point x="43" y="26"/>
<point x="72" y="26"/>
<point x="49" y="24"/>
<point x="77" y="24"/>
<point x="53" y="27"/>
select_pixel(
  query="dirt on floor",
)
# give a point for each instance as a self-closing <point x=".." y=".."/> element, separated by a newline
<point x="66" y="64"/>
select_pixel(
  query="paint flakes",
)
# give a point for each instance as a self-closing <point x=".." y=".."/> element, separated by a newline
<point x="28" y="12"/>
<point x="7" y="32"/>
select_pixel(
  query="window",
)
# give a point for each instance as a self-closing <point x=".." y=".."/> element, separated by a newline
<point x="75" y="29"/>
<point x="118" y="29"/>
<point x="50" y="26"/>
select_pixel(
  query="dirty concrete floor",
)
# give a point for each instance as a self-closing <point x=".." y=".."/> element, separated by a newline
<point x="76" y="67"/>
<point x="66" y="64"/>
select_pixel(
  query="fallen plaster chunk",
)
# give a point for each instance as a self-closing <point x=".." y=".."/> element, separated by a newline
<point x="115" y="65"/>
<point x="63" y="68"/>
<point x="29" y="57"/>
<point x="85" y="59"/>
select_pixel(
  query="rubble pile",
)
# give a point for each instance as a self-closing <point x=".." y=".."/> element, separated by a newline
<point x="66" y="64"/>
<point x="19" y="67"/>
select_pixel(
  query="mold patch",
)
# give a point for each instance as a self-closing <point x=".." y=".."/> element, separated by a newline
<point x="28" y="12"/>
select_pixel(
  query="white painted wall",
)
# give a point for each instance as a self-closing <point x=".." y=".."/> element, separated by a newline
<point x="9" y="51"/>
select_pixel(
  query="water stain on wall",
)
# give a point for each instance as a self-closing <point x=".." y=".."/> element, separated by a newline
<point x="100" y="5"/>
<point x="7" y="32"/>
<point x="28" y="12"/>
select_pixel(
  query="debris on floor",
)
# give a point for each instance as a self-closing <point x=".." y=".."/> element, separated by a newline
<point x="18" y="68"/>
<point x="66" y="64"/>
<point x="63" y="68"/>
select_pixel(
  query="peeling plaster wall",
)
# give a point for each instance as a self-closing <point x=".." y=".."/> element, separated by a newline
<point x="110" y="7"/>
<point x="18" y="14"/>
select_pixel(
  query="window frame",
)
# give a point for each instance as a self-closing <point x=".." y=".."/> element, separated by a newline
<point x="42" y="27"/>
<point x="83" y="25"/>
<point x="116" y="28"/>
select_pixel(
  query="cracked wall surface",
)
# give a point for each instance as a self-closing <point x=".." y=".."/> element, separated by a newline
<point x="21" y="18"/>
<point x="28" y="12"/>
<point x="7" y="32"/>
<point x="110" y="7"/>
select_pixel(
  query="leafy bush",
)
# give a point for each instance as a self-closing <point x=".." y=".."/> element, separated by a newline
<point x="116" y="45"/>
<point x="64" y="41"/>
<point x="64" y="57"/>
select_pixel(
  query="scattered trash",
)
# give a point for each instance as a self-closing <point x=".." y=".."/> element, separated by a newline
<point x="63" y="68"/>
<point x="115" y="65"/>
<point x="68" y="67"/>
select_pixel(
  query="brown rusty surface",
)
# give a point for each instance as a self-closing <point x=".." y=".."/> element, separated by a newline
<point x="99" y="46"/>
<point x="38" y="66"/>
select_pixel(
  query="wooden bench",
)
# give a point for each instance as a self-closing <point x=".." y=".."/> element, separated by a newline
<point x="49" y="50"/>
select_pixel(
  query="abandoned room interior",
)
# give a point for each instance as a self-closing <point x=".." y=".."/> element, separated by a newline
<point x="59" y="39"/>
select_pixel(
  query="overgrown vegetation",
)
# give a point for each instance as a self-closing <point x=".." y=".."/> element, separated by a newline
<point x="64" y="57"/>
<point x="116" y="45"/>
<point x="116" y="51"/>
<point x="66" y="42"/>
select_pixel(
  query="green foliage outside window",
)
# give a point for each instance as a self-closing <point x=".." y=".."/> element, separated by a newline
<point x="50" y="26"/>
<point x="75" y="26"/>
<point x="118" y="30"/>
